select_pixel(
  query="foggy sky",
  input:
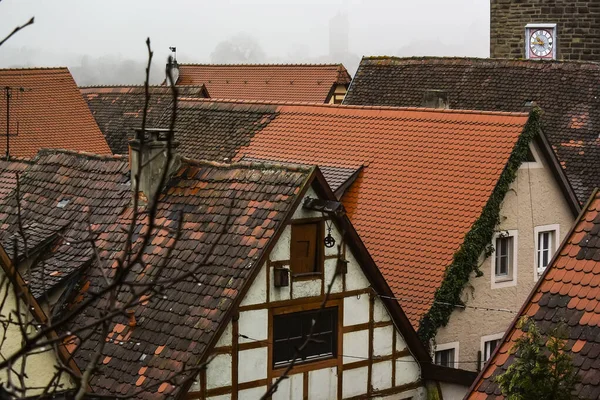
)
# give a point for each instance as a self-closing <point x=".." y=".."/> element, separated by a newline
<point x="112" y="33"/>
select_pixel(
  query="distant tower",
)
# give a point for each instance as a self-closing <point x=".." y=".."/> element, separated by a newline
<point x="339" y="32"/>
<point x="542" y="29"/>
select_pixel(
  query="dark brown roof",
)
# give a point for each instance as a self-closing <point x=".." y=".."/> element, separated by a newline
<point x="313" y="83"/>
<point x="568" y="92"/>
<point x="569" y="292"/>
<point x="46" y="111"/>
<point x="8" y="174"/>
<point x="118" y="110"/>
<point x="57" y="191"/>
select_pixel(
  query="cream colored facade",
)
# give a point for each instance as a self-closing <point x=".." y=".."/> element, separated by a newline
<point x="338" y="94"/>
<point x="40" y="368"/>
<point x="533" y="203"/>
<point x="245" y="345"/>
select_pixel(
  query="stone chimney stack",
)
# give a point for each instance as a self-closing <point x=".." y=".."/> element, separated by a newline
<point x="153" y="154"/>
<point x="435" y="99"/>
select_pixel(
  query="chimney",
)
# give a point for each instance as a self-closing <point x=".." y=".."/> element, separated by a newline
<point x="435" y="99"/>
<point x="153" y="155"/>
<point x="173" y="65"/>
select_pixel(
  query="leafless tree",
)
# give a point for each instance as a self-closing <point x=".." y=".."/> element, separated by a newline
<point x="120" y="291"/>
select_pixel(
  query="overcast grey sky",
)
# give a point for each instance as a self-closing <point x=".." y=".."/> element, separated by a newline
<point x="287" y="30"/>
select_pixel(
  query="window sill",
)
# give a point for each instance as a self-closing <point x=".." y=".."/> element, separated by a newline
<point x="307" y="365"/>
<point x="307" y="276"/>
<point x="502" y="279"/>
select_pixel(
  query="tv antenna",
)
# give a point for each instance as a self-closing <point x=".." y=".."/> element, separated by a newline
<point x="8" y="90"/>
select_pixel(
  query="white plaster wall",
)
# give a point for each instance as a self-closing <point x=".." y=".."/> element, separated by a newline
<point x="252" y="394"/>
<point x="383" y="340"/>
<point x="311" y="288"/>
<point x="257" y="294"/>
<point x="354" y="382"/>
<point x="407" y="371"/>
<point x="218" y="372"/>
<point x="380" y="313"/>
<point x="252" y="365"/>
<point x="356" y="310"/>
<point x="338" y="282"/>
<point x="225" y="339"/>
<point x="322" y="384"/>
<point x="381" y="377"/>
<point x="291" y="388"/>
<point x="254" y="324"/>
<point x="303" y="213"/>
<point x="532" y="186"/>
<point x="223" y="397"/>
<point x="453" y="392"/>
<point x="400" y="343"/>
<point x="41" y="367"/>
<point x="356" y="344"/>
<point x="355" y="278"/>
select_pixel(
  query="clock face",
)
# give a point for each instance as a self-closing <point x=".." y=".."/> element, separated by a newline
<point x="541" y="43"/>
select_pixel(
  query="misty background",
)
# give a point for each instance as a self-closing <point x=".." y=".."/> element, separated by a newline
<point x="103" y="42"/>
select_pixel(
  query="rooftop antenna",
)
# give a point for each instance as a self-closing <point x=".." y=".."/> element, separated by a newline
<point x="174" y="53"/>
<point x="9" y="93"/>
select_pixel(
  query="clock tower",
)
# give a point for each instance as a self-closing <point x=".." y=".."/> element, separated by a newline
<point x="545" y="30"/>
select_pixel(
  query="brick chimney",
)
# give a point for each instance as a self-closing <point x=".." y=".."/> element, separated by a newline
<point x="435" y="99"/>
<point x="153" y="154"/>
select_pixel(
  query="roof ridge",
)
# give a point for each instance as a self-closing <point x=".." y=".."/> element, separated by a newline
<point x="34" y="69"/>
<point x="292" y="167"/>
<point x="482" y="60"/>
<point x="141" y="85"/>
<point x="345" y="106"/>
<point x="265" y="65"/>
<point x="46" y="151"/>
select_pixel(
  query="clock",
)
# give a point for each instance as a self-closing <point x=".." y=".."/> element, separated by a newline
<point x="540" y="41"/>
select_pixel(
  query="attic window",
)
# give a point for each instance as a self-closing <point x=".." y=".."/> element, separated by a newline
<point x="63" y="203"/>
<point x="530" y="156"/>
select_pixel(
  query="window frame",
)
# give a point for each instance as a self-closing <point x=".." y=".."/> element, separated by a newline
<point x="532" y="164"/>
<point x="448" y="346"/>
<point x="319" y="249"/>
<point x="313" y="363"/>
<point x="511" y="278"/>
<point x="486" y="339"/>
<point x="555" y="228"/>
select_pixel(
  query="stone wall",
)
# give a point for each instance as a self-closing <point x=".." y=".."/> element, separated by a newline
<point x="578" y="27"/>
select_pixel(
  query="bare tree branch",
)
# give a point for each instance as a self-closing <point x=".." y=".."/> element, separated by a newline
<point x="17" y="29"/>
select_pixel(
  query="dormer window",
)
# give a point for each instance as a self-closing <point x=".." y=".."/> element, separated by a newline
<point x="306" y="252"/>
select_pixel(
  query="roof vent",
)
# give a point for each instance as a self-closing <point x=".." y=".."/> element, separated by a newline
<point x="435" y="99"/>
<point x="63" y="203"/>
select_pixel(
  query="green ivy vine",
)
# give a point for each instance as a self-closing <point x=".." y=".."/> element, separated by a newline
<point x="477" y="241"/>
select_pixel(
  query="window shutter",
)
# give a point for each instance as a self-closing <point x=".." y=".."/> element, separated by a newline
<point x="303" y="250"/>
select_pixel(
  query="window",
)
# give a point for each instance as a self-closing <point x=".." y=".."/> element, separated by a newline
<point x="447" y="355"/>
<point x="306" y="252"/>
<point x="290" y="332"/>
<point x="533" y="159"/>
<point x="546" y="243"/>
<point x="445" y="358"/>
<point x="504" y="255"/>
<point x="504" y="259"/>
<point x="489" y="347"/>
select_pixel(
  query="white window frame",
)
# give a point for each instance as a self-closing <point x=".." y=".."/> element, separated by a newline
<point x="532" y="27"/>
<point x="448" y="346"/>
<point x="505" y="282"/>
<point x="532" y="164"/>
<point x="536" y="231"/>
<point x="488" y="338"/>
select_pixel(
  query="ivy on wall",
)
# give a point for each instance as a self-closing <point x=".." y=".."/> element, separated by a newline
<point x="477" y="241"/>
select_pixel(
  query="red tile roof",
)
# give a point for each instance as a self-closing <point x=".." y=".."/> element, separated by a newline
<point x="48" y="112"/>
<point x="568" y="292"/>
<point x="311" y="83"/>
<point x="426" y="178"/>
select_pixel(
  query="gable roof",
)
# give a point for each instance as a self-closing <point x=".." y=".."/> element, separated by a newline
<point x="568" y="93"/>
<point x="569" y="292"/>
<point x="312" y="83"/>
<point x="118" y="110"/>
<point x="423" y="172"/>
<point x="46" y="111"/>
<point x="232" y="215"/>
